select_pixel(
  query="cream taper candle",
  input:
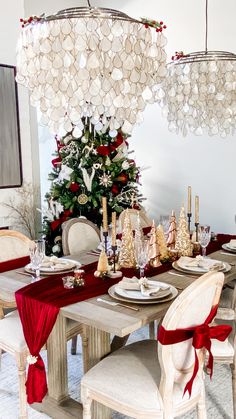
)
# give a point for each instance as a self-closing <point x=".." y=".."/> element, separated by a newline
<point x="113" y="233"/>
<point x="189" y="199"/>
<point x="196" y="209"/>
<point x="104" y="214"/>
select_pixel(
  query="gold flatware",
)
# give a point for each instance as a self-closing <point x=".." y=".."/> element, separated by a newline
<point x="112" y="303"/>
<point x="24" y="273"/>
<point x="183" y="275"/>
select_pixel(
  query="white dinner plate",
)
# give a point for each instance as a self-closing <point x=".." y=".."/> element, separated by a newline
<point x="175" y="265"/>
<point x="137" y="295"/>
<point x="173" y="294"/>
<point x="227" y="246"/>
<point x="69" y="265"/>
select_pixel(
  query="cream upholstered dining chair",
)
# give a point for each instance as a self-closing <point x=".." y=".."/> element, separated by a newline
<point x="142" y="383"/>
<point x="13" y="245"/>
<point x="79" y="235"/>
<point x="133" y="213"/>
<point x="225" y="352"/>
<point x="13" y="342"/>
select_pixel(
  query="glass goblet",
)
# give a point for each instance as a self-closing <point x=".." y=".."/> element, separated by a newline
<point x="204" y="236"/>
<point x="142" y="256"/>
<point x="37" y="253"/>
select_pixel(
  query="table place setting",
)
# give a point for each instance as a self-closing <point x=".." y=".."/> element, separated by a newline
<point x="230" y="247"/>
<point x="142" y="291"/>
<point x="199" y="265"/>
<point x="53" y="265"/>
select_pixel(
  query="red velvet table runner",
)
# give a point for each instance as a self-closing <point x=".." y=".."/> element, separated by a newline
<point x="9" y="265"/>
<point x="39" y="303"/>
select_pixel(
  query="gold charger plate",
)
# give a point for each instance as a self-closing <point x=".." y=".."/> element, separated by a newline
<point x="187" y="271"/>
<point x="112" y="293"/>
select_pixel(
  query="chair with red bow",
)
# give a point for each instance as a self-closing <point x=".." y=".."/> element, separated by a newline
<point x="146" y="380"/>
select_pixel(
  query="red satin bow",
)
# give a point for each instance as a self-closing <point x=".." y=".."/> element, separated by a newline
<point x="59" y="221"/>
<point x="201" y="336"/>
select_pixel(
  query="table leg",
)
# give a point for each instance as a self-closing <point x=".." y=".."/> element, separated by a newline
<point x="57" y="361"/>
<point x="98" y="346"/>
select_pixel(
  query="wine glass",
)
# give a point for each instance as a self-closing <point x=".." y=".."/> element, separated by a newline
<point x="141" y="250"/>
<point x="204" y="236"/>
<point x="37" y="253"/>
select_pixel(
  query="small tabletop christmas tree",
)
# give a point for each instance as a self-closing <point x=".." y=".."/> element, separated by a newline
<point x="162" y="243"/>
<point x="171" y="235"/>
<point x="183" y="243"/>
<point x="154" y="251"/>
<point x="127" y="253"/>
<point x="84" y="170"/>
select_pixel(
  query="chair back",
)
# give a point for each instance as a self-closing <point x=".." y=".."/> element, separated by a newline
<point x="13" y="245"/>
<point x="79" y="235"/>
<point x="133" y="213"/>
<point x="191" y="308"/>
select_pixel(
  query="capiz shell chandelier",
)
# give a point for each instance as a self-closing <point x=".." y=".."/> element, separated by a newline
<point x="199" y="92"/>
<point x="90" y="62"/>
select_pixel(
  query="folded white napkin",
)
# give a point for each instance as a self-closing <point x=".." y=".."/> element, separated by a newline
<point x="143" y="284"/>
<point x="54" y="262"/>
<point x="200" y="262"/>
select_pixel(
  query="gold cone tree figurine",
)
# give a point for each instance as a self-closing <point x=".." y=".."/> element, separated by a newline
<point x="183" y="243"/>
<point x="103" y="266"/>
<point x="162" y="243"/>
<point x="127" y="252"/>
<point x="171" y="235"/>
<point x="153" y="251"/>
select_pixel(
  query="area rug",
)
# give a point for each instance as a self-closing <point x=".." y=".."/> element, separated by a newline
<point x="218" y="391"/>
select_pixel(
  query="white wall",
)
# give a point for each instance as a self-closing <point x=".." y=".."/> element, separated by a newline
<point x="203" y="162"/>
<point x="11" y="11"/>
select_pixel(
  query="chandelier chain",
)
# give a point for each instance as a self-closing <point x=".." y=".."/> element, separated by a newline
<point x="206" y="36"/>
<point x="89" y="4"/>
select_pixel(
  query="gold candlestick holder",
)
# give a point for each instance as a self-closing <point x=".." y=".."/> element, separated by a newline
<point x="114" y="273"/>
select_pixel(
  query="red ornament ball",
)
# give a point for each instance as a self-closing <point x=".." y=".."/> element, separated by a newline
<point x="74" y="187"/>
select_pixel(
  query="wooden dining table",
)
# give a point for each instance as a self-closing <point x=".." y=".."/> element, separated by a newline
<point x="101" y="323"/>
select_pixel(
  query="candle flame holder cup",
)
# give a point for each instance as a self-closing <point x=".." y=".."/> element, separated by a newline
<point x="79" y="277"/>
<point x="68" y="282"/>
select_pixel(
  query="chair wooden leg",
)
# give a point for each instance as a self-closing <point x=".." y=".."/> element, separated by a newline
<point x="73" y="345"/>
<point x="84" y="339"/>
<point x="152" y="330"/>
<point x="201" y="407"/>
<point x="21" y="364"/>
<point x="87" y="404"/>
<point x="233" y="371"/>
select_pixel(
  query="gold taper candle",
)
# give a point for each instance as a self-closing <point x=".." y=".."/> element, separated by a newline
<point x="113" y="233"/>
<point x="196" y="209"/>
<point x="189" y="199"/>
<point x="104" y="214"/>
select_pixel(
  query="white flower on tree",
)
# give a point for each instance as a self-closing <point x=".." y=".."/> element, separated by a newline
<point x="65" y="172"/>
<point x="125" y="165"/>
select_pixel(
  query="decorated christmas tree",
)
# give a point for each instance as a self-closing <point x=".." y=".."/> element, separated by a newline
<point x="84" y="170"/>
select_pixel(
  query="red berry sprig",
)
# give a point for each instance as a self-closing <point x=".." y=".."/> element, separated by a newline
<point x="178" y="55"/>
<point x="25" y="22"/>
<point x="153" y="24"/>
